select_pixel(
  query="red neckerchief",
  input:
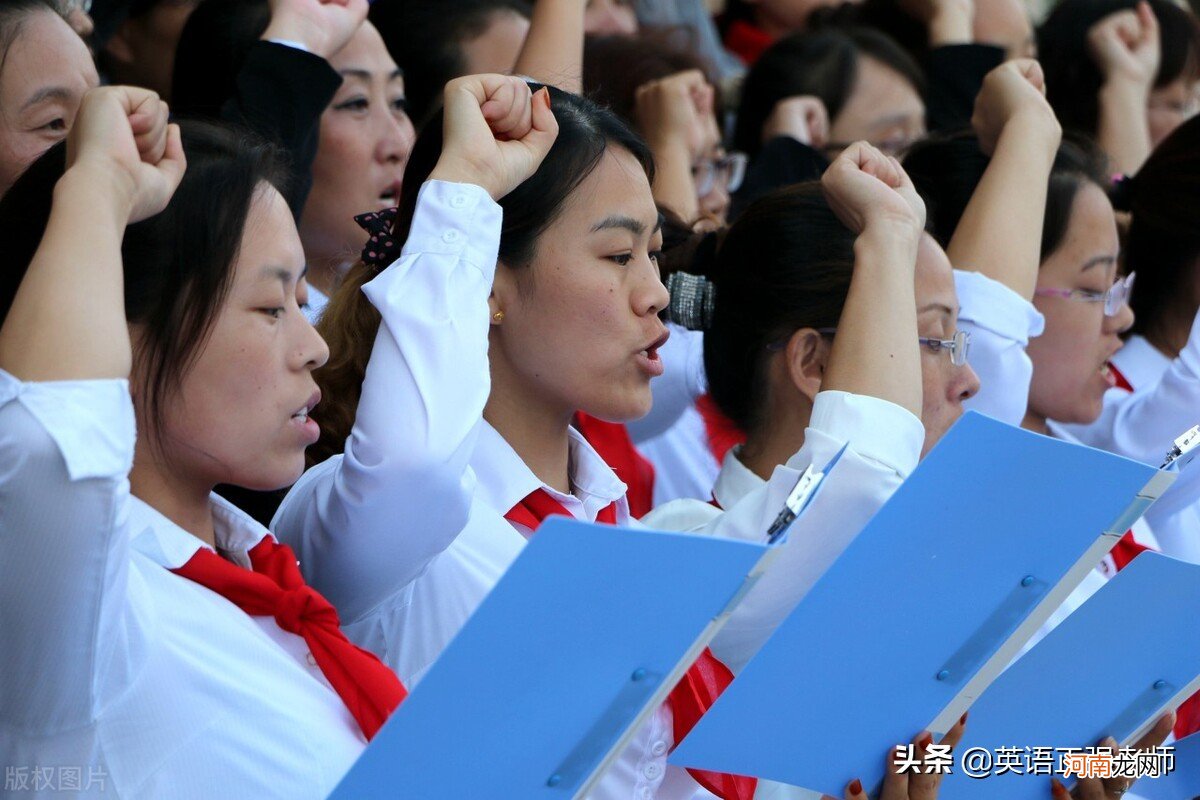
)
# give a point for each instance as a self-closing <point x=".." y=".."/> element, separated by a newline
<point x="722" y="432"/>
<point x="701" y="685"/>
<point x="276" y="589"/>
<point x="747" y="41"/>
<point x="611" y="440"/>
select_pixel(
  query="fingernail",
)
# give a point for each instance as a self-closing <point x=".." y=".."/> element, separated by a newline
<point x="1057" y="789"/>
<point x="925" y="741"/>
<point x="855" y="786"/>
<point x="963" y="719"/>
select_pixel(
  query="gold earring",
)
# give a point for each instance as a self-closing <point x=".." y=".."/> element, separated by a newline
<point x="498" y="316"/>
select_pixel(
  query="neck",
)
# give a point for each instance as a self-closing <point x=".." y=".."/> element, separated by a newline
<point x="184" y="503"/>
<point x="774" y="443"/>
<point x="1036" y="423"/>
<point x="536" y="430"/>
<point x="324" y="272"/>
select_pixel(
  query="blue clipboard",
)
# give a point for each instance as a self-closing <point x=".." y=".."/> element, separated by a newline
<point x="1111" y="668"/>
<point x="582" y="637"/>
<point x="1181" y="784"/>
<point x="914" y="619"/>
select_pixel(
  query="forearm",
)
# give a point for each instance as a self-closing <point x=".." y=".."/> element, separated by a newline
<point x="673" y="185"/>
<point x="553" y="50"/>
<point x="1123" y="131"/>
<point x="875" y="351"/>
<point x="1000" y="232"/>
<point x="67" y="320"/>
<point x="951" y="25"/>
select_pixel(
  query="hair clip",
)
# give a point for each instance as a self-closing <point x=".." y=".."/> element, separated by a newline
<point x="693" y="301"/>
<point x="381" y="249"/>
<point x="1120" y="193"/>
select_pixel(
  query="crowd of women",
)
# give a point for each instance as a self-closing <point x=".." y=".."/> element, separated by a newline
<point x="312" y="311"/>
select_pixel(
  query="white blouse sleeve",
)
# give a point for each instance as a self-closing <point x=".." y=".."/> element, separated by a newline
<point x="366" y="523"/>
<point x="1143" y="425"/>
<point x="683" y="380"/>
<point x="1000" y="323"/>
<point x="884" y="444"/>
<point x="65" y="453"/>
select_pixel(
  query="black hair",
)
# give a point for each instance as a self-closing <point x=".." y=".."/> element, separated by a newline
<point x="785" y="264"/>
<point x="349" y="324"/>
<point x="1073" y="79"/>
<point x="823" y="64"/>
<point x="1163" y="243"/>
<point x="947" y="169"/>
<point x="212" y="48"/>
<point x="178" y="265"/>
<point x="13" y="14"/>
<point x="425" y="38"/>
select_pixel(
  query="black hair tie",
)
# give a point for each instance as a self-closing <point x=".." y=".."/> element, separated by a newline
<point x="381" y="249"/>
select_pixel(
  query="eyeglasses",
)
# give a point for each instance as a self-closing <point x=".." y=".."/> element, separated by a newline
<point x="1114" y="299"/>
<point x="958" y="345"/>
<point x="77" y="5"/>
<point x="730" y="170"/>
<point x="892" y="146"/>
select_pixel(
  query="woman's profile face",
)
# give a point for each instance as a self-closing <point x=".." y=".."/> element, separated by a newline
<point x="883" y="109"/>
<point x="366" y="138"/>
<point x="581" y="330"/>
<point x="1070" y="359"/>
<point x="944" y="386"/>
<point x="240" y="415"/>
<point x="43" y="77"/>
<point x="1170" y="106"/>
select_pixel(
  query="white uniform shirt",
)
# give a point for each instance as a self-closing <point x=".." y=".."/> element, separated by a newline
<point x="1141" y="425"/>
<point x="684" y="464"/>
<point x="121" y="678"/>
<point x="406" y="532"/>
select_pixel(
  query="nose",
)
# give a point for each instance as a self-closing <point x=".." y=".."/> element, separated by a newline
<point x="311" y="350"/>
<point x="396" y="137"/>
<point x="966" y="383"/>
<point x="1120" y="322"/>
<point x="651" y="295"/>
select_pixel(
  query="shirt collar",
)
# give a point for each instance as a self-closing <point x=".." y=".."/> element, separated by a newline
<point x="504" y="480"/>
<point x="1140" y="362"/>
<point x="167" y="544"/>
<point x="735" y="480"/>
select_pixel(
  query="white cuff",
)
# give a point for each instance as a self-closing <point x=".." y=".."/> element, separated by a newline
<point x="989" y="304"/>
<point x="875" y="429"/>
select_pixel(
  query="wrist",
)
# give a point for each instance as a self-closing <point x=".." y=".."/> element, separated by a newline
<point x="1119" y="87"/>
<point x="311" y="37"/>
<point x="1033" y="126"/>
<point x="887" y="239"/>
<point x="453" y="171"/>
<point x="94" y="188"/>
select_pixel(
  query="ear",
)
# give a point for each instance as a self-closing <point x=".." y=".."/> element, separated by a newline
<point x="117" y="47"/>
<point x="807" y="354"/>
<point x="504" y="292"/>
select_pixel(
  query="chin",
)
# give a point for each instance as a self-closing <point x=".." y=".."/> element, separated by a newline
<point x="268" y="476"/>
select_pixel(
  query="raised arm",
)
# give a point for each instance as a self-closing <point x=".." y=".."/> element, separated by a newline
<point x="1126" y="47"/>
<point x="365" y="524"/>
<point x="1000" y="232"/>
<point x="675" y="114"/>
<point x="553" y="49"/>
<point x="66" y="419"/>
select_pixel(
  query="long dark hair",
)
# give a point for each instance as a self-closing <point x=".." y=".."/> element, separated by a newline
<point x="425" y="37"/>
<point x="1163" y="244"/>
<point x="1073" y="79"/>
<point x="947" y="169"/>
<point x="212" y="49"/>
<point x="823" y="64"/>
<point x="785" y="264"/>
<point x="349" y="323"/>
<point x="178" y="265"/>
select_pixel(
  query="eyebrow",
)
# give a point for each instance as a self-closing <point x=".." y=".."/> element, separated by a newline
<point x="1097" y="261"/>
<point x="281" y="274"/>
<point x="623" y="222"/>
<point x="60" y="93"/>
<point x="364" y="74"/>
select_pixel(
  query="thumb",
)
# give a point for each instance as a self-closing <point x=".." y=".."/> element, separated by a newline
<point x="173" y="162"/>
<point x="545" y="127"/>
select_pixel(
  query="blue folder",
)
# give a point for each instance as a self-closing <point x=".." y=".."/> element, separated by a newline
<point x="1181" y="784"/>
<point x="582" y="637"/>
<point x="924" y="608"/>
<point x="1111" y="668"/>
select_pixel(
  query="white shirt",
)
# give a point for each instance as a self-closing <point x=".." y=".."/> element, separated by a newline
<point x="1141" y="425"/>
<point x="151" y="684"/>
<point x="406" y="532"/>
<point x="684" y="464"/>
<point x="884" y="446"/>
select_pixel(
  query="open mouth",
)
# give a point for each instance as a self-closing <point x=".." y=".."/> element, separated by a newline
<point x="651" y="352"/>
<point x="390" y="197"/>
<point x="302" y="414"/>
